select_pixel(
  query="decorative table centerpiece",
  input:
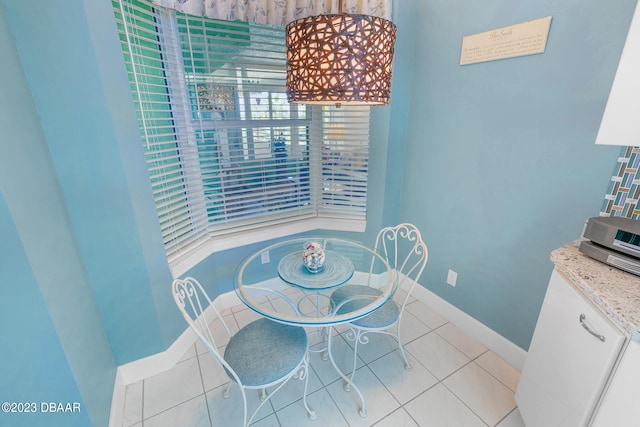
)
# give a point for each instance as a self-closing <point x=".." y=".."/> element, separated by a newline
<point x="313" y="257"/>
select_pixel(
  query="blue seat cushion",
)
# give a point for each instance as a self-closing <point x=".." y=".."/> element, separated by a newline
<point x="385" y="315"/>
<point x="265" y="351"/>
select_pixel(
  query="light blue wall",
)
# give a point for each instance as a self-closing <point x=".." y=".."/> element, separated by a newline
<point x="28" y="334"/>
<point x="73" y="175"/>
<point x="54" y="347"/>
<point x="73" y="64"/>
<point x="499" y="163"/>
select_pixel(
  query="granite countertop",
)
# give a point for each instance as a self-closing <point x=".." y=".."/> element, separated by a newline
<point x="614" y="291"/>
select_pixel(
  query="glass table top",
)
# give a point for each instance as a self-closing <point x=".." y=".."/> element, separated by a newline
<point x="275" y="282"/>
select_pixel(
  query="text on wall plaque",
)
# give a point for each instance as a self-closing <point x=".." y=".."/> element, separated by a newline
<point x="526" y="38"/>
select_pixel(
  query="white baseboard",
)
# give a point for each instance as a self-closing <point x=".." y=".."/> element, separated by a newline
<point x="137" y="370"/>
<point x="495" y="342"/>
<point x="116" y="415"/>
<point x="147" y="367"/>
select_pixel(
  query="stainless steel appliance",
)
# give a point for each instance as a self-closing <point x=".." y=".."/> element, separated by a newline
<point x="614" y="241"/>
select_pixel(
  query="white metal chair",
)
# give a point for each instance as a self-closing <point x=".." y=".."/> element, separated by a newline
<point x="260" y="355"/>
<point x="407" y="255"/>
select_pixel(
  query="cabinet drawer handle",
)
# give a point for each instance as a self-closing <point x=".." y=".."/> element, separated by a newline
<point x="591" y="331"/>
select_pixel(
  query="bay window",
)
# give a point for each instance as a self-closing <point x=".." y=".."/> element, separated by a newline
<point x="230" y="161"/>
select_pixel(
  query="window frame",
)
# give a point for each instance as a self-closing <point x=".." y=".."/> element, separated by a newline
<point x="328" y="190"/>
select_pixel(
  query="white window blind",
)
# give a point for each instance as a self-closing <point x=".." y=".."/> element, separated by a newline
<point x="227" y="154"/>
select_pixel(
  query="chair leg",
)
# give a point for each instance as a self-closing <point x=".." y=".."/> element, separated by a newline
<point x="263" y="400"/>
<point x="359" y="337"/>
<point x="305" y="374"/>
<point x="363" y="410"/>
<point x="227" y="391"/>
<point x="244" y="401"/>
<point x="407" y="364"/>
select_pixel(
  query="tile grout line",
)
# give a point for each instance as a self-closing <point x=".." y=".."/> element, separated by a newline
<point x="462" y="401"/>
<point x="204" y="389"/>
<point x="324" y="387"/>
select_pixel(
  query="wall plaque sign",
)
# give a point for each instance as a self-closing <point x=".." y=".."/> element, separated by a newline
<point x="526" y="38"/>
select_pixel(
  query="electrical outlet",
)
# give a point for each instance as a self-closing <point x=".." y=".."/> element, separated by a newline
<point x="452" y="277"/>
<point x="264" y="257"/>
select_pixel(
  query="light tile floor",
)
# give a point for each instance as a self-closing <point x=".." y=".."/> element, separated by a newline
<point x="454" y="382"/>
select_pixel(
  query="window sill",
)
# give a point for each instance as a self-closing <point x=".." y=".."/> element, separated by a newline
<point x="213" y="244"/>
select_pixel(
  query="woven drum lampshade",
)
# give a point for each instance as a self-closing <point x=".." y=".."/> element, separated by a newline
<point x="340" y="59"/>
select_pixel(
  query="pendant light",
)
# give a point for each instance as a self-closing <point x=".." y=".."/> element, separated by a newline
<point x="340" y="59"/>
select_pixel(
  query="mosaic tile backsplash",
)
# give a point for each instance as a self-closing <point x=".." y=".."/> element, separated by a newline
<point x="622" y="199"/>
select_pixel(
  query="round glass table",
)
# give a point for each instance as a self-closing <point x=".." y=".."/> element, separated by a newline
<point x="275" y="282"/>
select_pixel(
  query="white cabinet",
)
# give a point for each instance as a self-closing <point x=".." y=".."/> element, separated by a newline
<point x="619" y="406"/>
<point x="572" y="353"/>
